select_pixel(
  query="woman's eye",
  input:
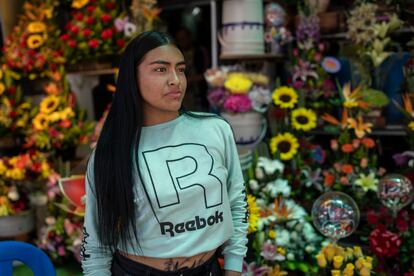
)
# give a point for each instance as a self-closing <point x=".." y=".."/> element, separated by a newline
<point x="181" y="70"/>
<point x="161" y="69"/>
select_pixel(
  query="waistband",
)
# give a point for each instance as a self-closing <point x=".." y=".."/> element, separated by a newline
<point x="132" y="267"/>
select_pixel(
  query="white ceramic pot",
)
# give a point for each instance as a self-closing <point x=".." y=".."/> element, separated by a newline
<point x="16" y="225"/>
<point x="247" y="126"/>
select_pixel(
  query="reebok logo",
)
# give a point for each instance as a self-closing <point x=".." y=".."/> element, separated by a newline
<point x="191" y="225"/>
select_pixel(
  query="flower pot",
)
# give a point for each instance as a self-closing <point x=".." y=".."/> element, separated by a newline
<point x="247" y="127"/>
<point x="16" y="225"/>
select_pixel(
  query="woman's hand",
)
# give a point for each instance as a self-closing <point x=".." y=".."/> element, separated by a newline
<point x="231" y="273"/>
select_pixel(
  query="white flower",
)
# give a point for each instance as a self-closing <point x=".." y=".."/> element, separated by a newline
<point x="270" y="166"/>
<point x="261" y="98"/>
<point x="309" y="232"/>
<point x="129" y="29"/>
<point x="279" y="186"/>
<point x="309" y="248"/>
<point x="290" y="257"/>
<point x="13" y="194"/>
<point x="259" y="173"/>
<point x="282" y="238"/>
<point x="50" y="220"/>
<point x="253" y="184"/>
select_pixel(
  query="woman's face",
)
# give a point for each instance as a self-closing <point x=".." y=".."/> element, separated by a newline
<point x="162" y="82"/>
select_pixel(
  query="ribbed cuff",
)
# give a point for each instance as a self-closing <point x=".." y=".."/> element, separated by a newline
<point x="233" y="262"/>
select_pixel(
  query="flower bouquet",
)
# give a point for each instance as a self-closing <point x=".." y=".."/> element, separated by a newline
<point x="30" y="49"/>
<point x="96" y="29"/>
<point x="339" y="261"/>
<point x="58" y="125"/>
<point x="240" y="97"/>
<point x="282" y="236"/>
<point x="20" y="176"/>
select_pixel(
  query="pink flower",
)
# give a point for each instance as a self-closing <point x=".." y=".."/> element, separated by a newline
<point x="334" y="144"/>
<point x="216" y="97"/>
<point x="298" y="84"/>
<point x="363" y="163"/>
<point x="238" y="103"/>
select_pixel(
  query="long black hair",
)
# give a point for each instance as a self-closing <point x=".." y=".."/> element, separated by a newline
<point x="118" y="144"/>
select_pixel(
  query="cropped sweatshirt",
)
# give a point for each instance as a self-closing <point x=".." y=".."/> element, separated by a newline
<point x="191" y="198"/>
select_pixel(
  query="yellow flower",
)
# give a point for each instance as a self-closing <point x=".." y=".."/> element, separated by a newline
<point x="25" y="106"/>
<point x="36" y="27"/>
<point x="359" y="126"/>
<point x="67" y="113"/>
<point x="254" y="213"/>
<point x="303" y="119"/>
<point x="365" y="271"/>
<point x="5" y="207"/>
<point x="1" y="74"/>
<point x="285" y="97"/>
<point x="78" y="4"/>
<point x="41" y="121"/>
<point x="329" y="252"/>
<point x="258" y="78"/>
<point x="2" y="88"/>
<point x="281" y="251"/>
<point x="54" y="116"/>
<point x="357" y="251"/>
<point x="48" y="12"/>
<point x="321" y="260"/>
<point x="16" y="174"/>
<point x="286" y="144"/>
<point x="276" y="271"/>
<point x="238" y="84"/>
<point x="49" y="104"/>
<point x="410" y="125"/>
<point x="352" y="99"/>
<point x="272" y="234"/>
<point x="35" y="41"/>
<point x="349" y="269"/>
<point x="335" y="272"/>
<point x="337" y="261"/>
<point x="359" y="263"/>
<point x="2" y="167"/>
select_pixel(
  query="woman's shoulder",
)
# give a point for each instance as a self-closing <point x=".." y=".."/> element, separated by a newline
<point x="210" y="119"/>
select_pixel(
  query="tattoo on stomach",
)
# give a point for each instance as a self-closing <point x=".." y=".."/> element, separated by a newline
<point x="174" y="265"/>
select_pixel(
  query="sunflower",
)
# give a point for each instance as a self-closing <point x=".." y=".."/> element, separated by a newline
<point x="303" y="119"/>
<point x="78" y="4"/>
<point x="1" y="74"/>
<point x="67" y="113"/>
<point x="285" y="97"/>
<point x="238" y="83"/>
<point x="36" y="27"/>
<point x="254" y="213"/>
<point x="35" y="41"/>
<point x="2" y="88"/>
<point x="41" y="121"/>
<point x="410" y="125"/>
<point x="49" y="104"/>
<point x="286" y="144"/>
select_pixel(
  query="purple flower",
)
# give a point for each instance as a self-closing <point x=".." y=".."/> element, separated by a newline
<point x="238" y="103"/>
<point x="216" y="97"/>
<point x="252" y="270"/>
<point x="308" y="30"/>
<point x="304" y="70"/>
<point x="400" y="159"/>
<point x="269" y="252"/>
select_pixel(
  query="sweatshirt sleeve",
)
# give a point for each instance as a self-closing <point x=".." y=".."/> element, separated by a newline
<point x="235" y="248"/>
<point x="96" y="259"/>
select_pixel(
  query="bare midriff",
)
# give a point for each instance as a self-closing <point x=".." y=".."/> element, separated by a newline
<point x="171" y="264"/>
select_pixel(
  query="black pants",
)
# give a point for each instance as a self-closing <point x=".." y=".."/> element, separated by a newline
<point x="122" y="266"/>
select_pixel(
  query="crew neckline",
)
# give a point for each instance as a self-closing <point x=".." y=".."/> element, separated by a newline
<point x="163" y="125"/>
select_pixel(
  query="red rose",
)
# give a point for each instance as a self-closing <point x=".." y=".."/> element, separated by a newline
<point x="79" y="16"/>
<point x="372" y="217"/>
<point x="90" y="20"/>
<point x="12" y="114"/>
<point x="384" y="243"/>
<point x="64" y="37"/>
<point x="86" y="32"/>
<point x="65" y="123"/>
<point x="68" y="26"/>
<point x="106" y="34"/>
<point x="11" y="90"/>
<point x="36" y="167"/>
<point x="90" y="9"/>
<point x="53" y="132"/>
<point x="72" y="43"/>
<point x="109" y="5"/>
<point x="93" y="43"/>
<point x="106" y="18"/>
<point x="74" y="30"/>
<point x="120" y="42"/>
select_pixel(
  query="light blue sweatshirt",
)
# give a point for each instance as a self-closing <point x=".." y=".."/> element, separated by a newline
<point x="191" y="199"/>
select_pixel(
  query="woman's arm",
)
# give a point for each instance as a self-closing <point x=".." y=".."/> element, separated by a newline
<point x="96" y="259"/>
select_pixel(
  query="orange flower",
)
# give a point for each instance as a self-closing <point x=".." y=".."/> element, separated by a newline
<point x="359" y="126"/>
<point x="344" y="180"/>
<point x="347" y="168"/>
<point x="347" y="148"/>
<point x="356" y="143"/>
<point x="368" y="143"/>
<point x="329" y="179"/>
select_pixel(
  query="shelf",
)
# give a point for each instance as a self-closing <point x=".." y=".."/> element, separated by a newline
<point x="389" y="130"/>
<point x="97" y="72"/>
<point x="343" y="35"/>
<point x="252" y="57"/>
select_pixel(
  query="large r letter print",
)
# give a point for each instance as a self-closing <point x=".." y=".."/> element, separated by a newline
<point x="173" y="169"/>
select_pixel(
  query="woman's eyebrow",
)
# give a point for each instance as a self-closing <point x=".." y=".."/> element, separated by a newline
<point x="163" y="62"/>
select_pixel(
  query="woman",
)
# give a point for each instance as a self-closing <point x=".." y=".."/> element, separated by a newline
<point x="164" y="187"/>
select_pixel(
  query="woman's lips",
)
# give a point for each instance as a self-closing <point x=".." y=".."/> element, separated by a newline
<point x="174" y="94"/>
